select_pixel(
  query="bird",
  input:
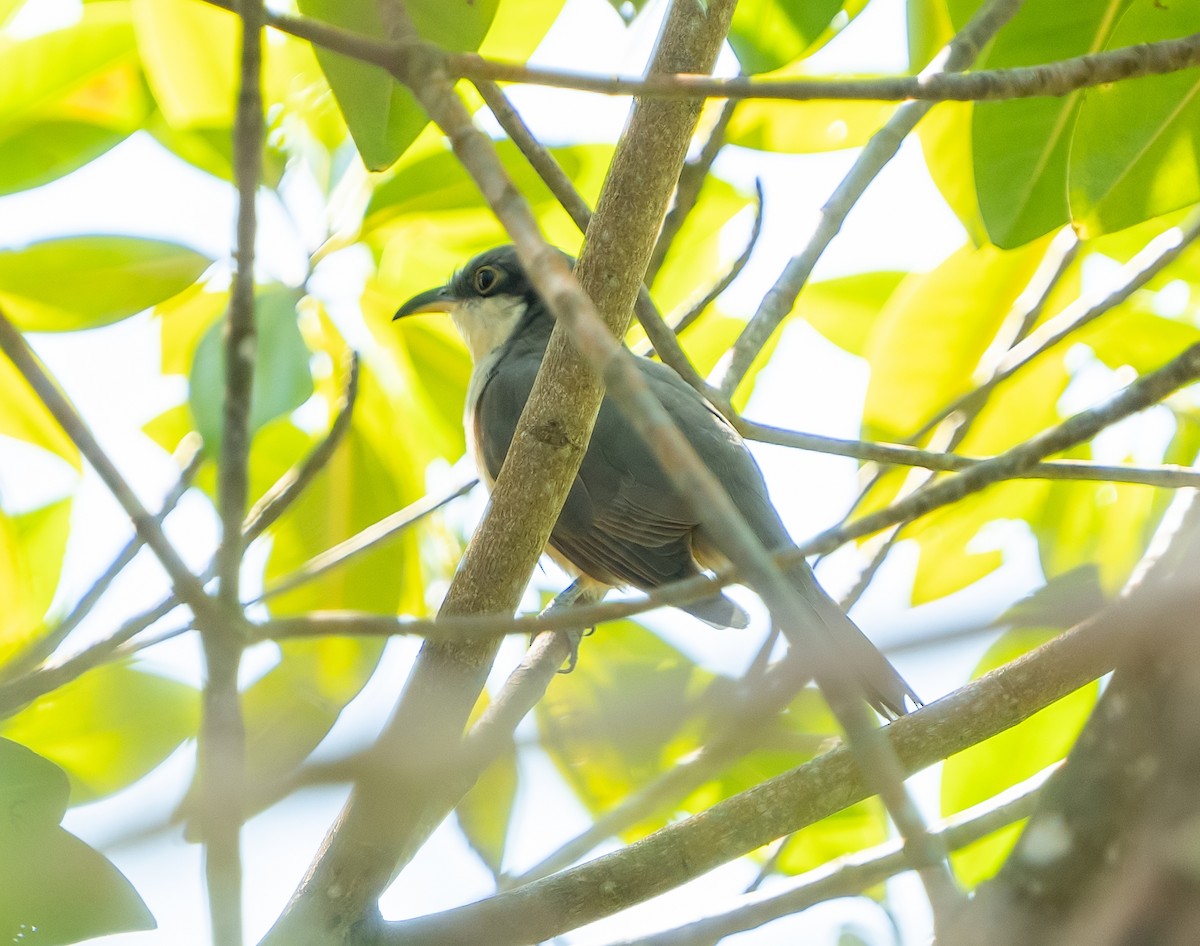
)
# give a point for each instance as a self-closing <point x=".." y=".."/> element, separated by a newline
<point x="623" y="523"/>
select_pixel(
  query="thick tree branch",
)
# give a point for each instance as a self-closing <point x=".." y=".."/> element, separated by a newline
<point x="360" y="853"/>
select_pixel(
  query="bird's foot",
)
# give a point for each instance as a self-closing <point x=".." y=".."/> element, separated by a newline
<point x="578" y="592"/>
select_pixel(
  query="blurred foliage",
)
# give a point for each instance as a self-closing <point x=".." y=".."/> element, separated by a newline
<point x="1117" y="164"/>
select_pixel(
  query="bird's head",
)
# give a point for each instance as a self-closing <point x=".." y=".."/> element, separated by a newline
<point x="488" y="299"/>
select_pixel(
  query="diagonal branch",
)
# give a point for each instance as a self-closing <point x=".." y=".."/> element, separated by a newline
<point x="360" y="853"/>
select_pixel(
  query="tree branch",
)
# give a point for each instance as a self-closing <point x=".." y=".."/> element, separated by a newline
<point x="360" y="853"/>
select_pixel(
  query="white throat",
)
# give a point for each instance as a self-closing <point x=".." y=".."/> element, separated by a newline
<point x="486" y="324"/>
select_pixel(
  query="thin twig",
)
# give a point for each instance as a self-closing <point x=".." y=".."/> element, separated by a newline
<point x="1168" y="475"/>
<point x="288" y="488"/>
<point x="23" y="690"/>
<point x="1049" y="79"/>
<point x="186" y="585"/>
<point x="781" y="297"/>
<point x="189" y="458"/>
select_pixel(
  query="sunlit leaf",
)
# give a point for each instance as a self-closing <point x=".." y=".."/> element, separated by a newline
<point x="383" y="117"/>
<point x="108" y="727"/>
<point x="73" y="283"/>
<point x="1106" y="524"/>
<point x="695" y="260"/>
<point x="518" y="27"/>
<point x="282" y="379"/>
<point x="31" y="556"/>
<point x="190" y="52"/>
<point x="806" y="127"/>
<point x="983" y="771"/>
<point x="1149" y="168"/>
<point x="767" y="34"/>
<point x="945" y="135"/>
<point x="927" y="342"/>
<point x="43" y="71"/>
<point x="54" y="889"/>
<point x="621" y="717"/>
<point x="23" y="416"/>
<point x="844" y="309"/>
<point x="1020" y="147"/>
<point x="485" y="812"/>
<point x="1130" y="335"/>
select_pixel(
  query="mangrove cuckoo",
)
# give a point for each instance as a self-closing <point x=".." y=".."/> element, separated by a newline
<point x="624" y="524"/>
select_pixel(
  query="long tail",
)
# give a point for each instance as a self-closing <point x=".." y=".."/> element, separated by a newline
<point x="882" y="685"/>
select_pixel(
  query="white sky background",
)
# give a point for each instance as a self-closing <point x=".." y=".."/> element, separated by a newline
<point x="900" y="224"/>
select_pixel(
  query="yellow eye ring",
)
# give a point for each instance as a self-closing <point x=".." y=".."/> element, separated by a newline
<point x="486" y="279"/>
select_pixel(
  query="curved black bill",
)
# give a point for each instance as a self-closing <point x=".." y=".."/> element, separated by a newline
<point x="440" y="299"/>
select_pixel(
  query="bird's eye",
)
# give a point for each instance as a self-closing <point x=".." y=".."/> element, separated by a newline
<point x="487" y="278"/>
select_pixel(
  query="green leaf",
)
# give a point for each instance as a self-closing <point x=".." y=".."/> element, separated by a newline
<point x="107" y="728"/>
<point x="767" y="34"/>
<point x="282" y="379"/>
<point x="33" y="791"/>
<point x="358" y="487"/>
<point x="518" y="27"/>
<point x="485" y="812"/>
<point x="622" y="717"/>
<point x="72" y="95"/>
<point x="1063" y="601"/>
<point x="43" y="71"/>
<point x="32" y="546"/>
<point x="1130" y="335"/>
<point x="54" y="889"/>
<point x="74" y="283"/>
<point x="292" y="707"/>
<point x="928" y="340"/>
<point x="23" y="416"/>
<point x="983" y="771"/>
<point x="1150" y="168"/>
<point x="383" y="117"/>
<point x="1106" y="524"/>
<point x="190" y="53"/>
<point x="1020" y="147"/>
<point x="695" y="260"/>
<point x="845" y="309"/>
<point x="805" y="127"/>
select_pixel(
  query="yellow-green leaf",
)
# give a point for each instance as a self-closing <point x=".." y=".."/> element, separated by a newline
<point x="983" y="771"/>
<point x="927" y="342"/>
<point x="81" y="282"/>
<point x="108" y="727"/>
<point x="31" y="555"/>
<point x="190" y="53"/>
